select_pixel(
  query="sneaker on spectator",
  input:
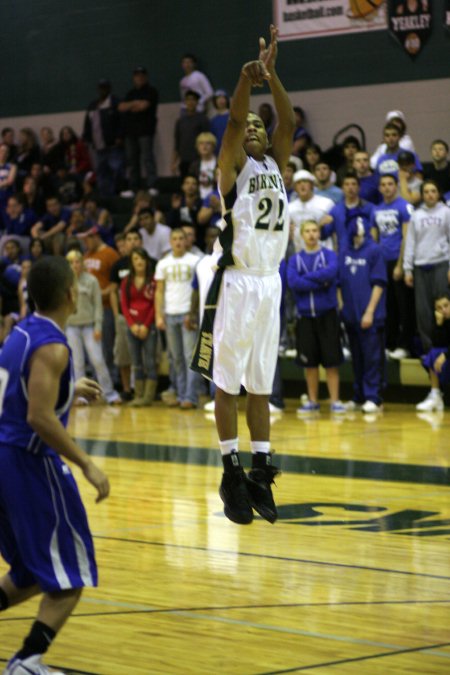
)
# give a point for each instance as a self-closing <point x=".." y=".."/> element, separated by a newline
<point x="432" y="403"/>
<point x="338" y="408"/>
<point x="210" y="406"/>
<point x="308" y="407"/>
<point x="128" y="194"/>
<point x="371" y="407"/>
<point x="290" y="353"/>
<point x="399" y="354"/>
<point x="274" y="410"/>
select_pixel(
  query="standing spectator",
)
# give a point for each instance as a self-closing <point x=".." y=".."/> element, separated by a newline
<point x="311" y="156"/>
<point x="194" y="80"/>
<point x="368" y="181"/>
<point x="301" y="136"/>
<point x="73" y="152"/>
<point x="52" y="226"/>
<point x="308" y="206"/>
<point x="99" y="260"/>
<point x="139" y="108"/>
<point x="397" y="118"/>
<point x="103" y="132"/>
<point x="84" y="328"/>
<point x="312" y="277"/>
<point x="408" y="181"/>
<point x="219" y="122"/>
<point x="436" y="361"/>
<point x="137" y="299"/>
<point x="350" y="147"/>
<point x="362" y="278"/>
<point x="187" y="128"/>
<point x="288" y="180"/>
<point x="391" y="220"/>
<point x="8" y="139"/>
<point x="173" y="276"/>
<point x="426" y="258"/>
<point x="155" y="236"/>
<point x="325" y="186"/>
<point x="8" y="174"/>
<point x="185" y="206"/>
<point x="440" y="169"/>
<point x="28" y="152"/>
<point x="387" y="162"/>
<point x="204" y="167"/>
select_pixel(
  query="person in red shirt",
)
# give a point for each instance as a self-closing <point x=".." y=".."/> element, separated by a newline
<point x="137" y="298"/>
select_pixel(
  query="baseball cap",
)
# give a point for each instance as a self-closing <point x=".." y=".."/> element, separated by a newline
<point x="303" y="175"/>
<point x="393" y="114"/>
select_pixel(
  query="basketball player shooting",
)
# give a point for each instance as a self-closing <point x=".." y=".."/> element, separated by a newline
<point x="242" y="317"/>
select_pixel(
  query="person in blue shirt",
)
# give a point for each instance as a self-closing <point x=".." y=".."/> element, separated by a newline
<point x="17" y="222"/>
<point x="362" y="281"/>
<point x="218" y="123"/>
<point x="44" y="532"/>
<point x="325" y="186"/>
<point x="387" y="162"/>
<point x="390" y="220"/>
<point x="312" y="277"/>
<point x="368" y="181"/>
<point x="52" y="226"/>
<point x="352" y="209"/>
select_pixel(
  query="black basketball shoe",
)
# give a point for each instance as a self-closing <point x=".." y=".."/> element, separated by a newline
<point x="236" y="500"/>
<point x="259" y="481"/>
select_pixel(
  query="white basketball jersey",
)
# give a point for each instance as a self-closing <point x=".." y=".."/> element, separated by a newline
<point x="257" y="221"/>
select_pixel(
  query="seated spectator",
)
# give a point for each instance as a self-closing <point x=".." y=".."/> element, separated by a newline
<point x="185" y="206"/>
<point x="211" y="210"/>
<point x="325" y="179"/>
<point x="84" y="329"/>
<point x="362" y="280"/>
<point x="204" y="167"/>
<point x="194" y="80"/>
<point x="9" y="140"/>
<point x="387" y="162"/>
<point x="28" y="153"/>
<point x="350" y="147"/>
<point x="37" y="250"/>
<point x="409" y="181"/>
<point x="391" y="221"/>
<point x="174" y="274"/>
<point x="368" y="181"/>
<point x="42" y="179"/>
<point x="308" y="206"/>
<point x="436" y="361"/>
<point x="267" y="114"/>
<point x="187" y="128"/>
<point x="397" y="118"/>
<point x="311" y="156"/>
<point x="440" y="170"/>
<point x="66" y="185"/>
<point x="33" y="196"/>
<point x="8" y="174"/>
<point x="94" y="214"/>
<point x="301" y="136"/>
<point x="352" y="209"/>
<point x="288" y="180"/>
<point x="74" y="152"/>
<point x="51" y="228"/>
<point x="426" y="257"/>
<point x="26" y="303"/>
<point x="137" y="299"/>
<point x="18" y="221"/>
<point x="219" y="121"/>
<point x="50" y="150"/>
<point x="312" y="277"/>
<point x="10" y="271"/>
<point x="155" y="236"/>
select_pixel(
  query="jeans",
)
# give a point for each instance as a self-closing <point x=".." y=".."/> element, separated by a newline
<point x="140" y="161"/>
<point x="80" y="338"/>
<point x="181" y="343"/>
<point x="143" y="355"/>
<point x="109" y="169"/>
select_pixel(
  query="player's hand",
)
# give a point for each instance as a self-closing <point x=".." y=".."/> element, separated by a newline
<point x="268" y="55"/>
<point x="256" y="72"/>
<point x="98" y="479"/>
<point x="89" y="389"/>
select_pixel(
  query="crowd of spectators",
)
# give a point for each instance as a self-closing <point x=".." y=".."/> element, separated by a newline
<point x="366" y="270"/>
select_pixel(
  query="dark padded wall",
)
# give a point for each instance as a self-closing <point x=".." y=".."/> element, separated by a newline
<point x="53" y="52"/>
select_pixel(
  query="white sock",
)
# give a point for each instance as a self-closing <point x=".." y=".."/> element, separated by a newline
<point x="435" y="392"/>
<point x="226" y="447"/>
<point x="260" y="446"/>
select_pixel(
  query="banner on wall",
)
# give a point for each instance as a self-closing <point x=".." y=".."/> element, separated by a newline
<point x="410" y="23"/>
<point x="299" y="19"/>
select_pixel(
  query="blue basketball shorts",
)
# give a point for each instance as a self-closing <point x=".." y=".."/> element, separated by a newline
<point x="44" y="532"/>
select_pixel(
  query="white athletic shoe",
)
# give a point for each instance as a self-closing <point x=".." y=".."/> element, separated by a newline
<point x="275" y="410"/>
<point x="210" y="406"/>
<point x="432" y="403"/>
<point x="30" y="666"/>
<point x="371" y="407"/>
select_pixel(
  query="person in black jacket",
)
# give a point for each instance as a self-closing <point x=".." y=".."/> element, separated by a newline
<point x="437" y="361"/>
<point x="103" y="132"/>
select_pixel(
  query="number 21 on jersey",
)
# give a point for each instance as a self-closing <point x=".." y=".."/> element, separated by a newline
<point x="265" y="207"/>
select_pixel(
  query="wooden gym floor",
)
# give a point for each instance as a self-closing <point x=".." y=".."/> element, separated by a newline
<point x="353" y="578"/>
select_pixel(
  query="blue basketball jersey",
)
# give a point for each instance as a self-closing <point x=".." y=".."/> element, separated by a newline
<point x="30" y="334"/>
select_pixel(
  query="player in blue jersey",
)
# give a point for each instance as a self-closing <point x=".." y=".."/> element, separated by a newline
<point x="44" y="533"/>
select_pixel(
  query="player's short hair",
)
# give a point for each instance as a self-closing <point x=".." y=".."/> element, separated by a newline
<point x="439" y="141"/>
<point x="49" y="280"/>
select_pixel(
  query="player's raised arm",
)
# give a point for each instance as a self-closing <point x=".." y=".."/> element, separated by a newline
<point x="284" y="130"/>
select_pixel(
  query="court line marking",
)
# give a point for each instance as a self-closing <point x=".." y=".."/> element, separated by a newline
<point x="68" y="672"/>
<point x="245" y="554"/>
<point x="359" y="658"/>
